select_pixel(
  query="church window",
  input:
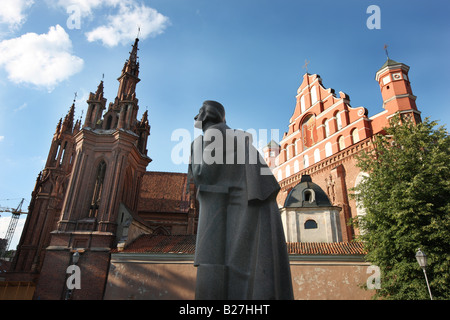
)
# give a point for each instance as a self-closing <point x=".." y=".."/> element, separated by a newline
<point x="339" y="120"/>
<point x="328" y="150"/>
<point x="355" y="135"/>
<point x="313" y="95"/>
<point x="341" y="143"/>
<point x="57" y="151"/>
<point x="305" y="161"/>
<point x="327" y="128"/>
<point x="308" y="195"/>
<point x="108" y="122"/>
<point x="310" y="224"/>
<point x="302" y="103"/>
<point x="62" y="154"/>
<point x="96" y="196"/>
<point x="296" y="166"/>
<point x="309" y="132"/>
<point x="316" y="155"/>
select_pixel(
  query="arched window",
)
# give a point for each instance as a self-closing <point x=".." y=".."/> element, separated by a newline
<point x="313" y="95"/>
<point x="108" y="122"/>
<point x="327" y="127"/>
<point x="328" y="149"/>
<point x="355" y="135"/>
<point x="280" y="175"/>
<point x="57" y="151"/>
<point x="310" y="224"/>
<point x="62" y="154"/>
<point x="302" y="104"/>
<point x="309" y="195"/>
<point x="305" y="161"/>
<point x="339" y="120"/>
<point x="97" y="194"/>
<point x="288" y="171"/>
<point x="341" y="143"/>
<point x="309" y="132"/>
<point x="295" y="147"/>
<point x="285" y="152"/>
<point x="316" y="155"/>
<point x="296" y="166"/>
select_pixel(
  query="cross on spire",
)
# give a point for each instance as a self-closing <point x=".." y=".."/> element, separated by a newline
<point x="305" y="66"/>
<point x="75" y="97"/>
<point x="139" y="31"/>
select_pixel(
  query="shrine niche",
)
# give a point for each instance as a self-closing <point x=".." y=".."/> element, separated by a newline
<point x="309" y="131"/>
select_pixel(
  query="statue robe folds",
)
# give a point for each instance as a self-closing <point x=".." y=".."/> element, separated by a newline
<point x="241" y="249"/>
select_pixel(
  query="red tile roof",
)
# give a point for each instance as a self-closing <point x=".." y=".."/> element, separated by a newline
<point x="186" y="244"/>
<point x="163" y="192"/>
<point x="321" y="248"/>
<point x="148" y="243"/>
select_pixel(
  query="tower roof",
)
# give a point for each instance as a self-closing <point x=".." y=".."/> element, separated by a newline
<point x="391" y="64"/>
<point x="307" y="194"/>
<point x="272" y="144"/>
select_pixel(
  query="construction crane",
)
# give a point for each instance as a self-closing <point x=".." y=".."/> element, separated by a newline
<point x="15" y="214"/>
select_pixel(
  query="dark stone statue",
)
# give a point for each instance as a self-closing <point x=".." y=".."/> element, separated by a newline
<point x="241" y="250"/>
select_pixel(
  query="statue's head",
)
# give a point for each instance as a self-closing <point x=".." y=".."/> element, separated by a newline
<point x="211" y="112"/>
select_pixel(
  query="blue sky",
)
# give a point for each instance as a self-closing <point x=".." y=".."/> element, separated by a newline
<point x="247" y="54"/>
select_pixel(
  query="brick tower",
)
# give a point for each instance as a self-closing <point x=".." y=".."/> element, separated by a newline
<point x="46" y="201"/>
<point x="396" y="90"/>
<point x="109" y="161"/>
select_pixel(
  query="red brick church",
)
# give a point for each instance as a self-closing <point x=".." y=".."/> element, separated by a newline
<point x="96" y="198"/>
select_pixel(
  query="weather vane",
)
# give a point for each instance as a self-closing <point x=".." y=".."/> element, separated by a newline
<point x="75" y="97"/>
<point x="305" y="66"/>
<point x="139" y="31"/>
<point x="385" y="49"/>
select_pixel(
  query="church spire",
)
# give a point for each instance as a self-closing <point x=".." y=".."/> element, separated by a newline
<point x="130" y="75"/>
<point x="99" y="92"/>
<point x="96" y="105"/>
<point x="133" y="61"/>
<point x="68" y="120"/>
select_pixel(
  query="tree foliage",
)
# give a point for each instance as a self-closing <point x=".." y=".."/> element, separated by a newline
<point x="406" y="201"/>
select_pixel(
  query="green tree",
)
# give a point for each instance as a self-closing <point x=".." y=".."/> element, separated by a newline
<point x="406" y="199"/>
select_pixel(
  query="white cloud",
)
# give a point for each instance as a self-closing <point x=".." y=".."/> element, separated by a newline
<point x="43" y="60"/>
<point x="86" y="6"/>
<point x="21" y="107"/>
<point x="122" y="27"/>
<point x="2" y="138"/>
<point x="12" y="12"/>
